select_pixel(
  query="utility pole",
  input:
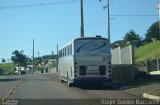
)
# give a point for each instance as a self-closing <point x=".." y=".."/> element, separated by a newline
<point x="33" y="57"/>
<point x="82" y="20"/>
<point x="57" y="49"/>
<point x="108" y="19"/>
<point x="38" y="54"/>
<point x="108" y="22"/>
<point x="57" y="60"/>
<point x="159" y="15"/>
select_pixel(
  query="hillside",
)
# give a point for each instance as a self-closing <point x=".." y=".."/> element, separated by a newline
<point x="7" y="68"/>
<point x="148" y="51"/>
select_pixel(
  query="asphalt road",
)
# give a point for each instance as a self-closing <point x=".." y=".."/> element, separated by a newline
<point x="44" y="89"/>
<point x="6" y="83"/>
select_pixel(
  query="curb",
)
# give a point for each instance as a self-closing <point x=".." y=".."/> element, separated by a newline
<point x="149" y="96"/>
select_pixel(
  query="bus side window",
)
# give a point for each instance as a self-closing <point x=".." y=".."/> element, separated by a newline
<point x="65" y="51"/>
<point x="68" y="50"/>
<point x="62" y="52"/>
<point x="71" y="49"/>
<point x="58" y="54"/>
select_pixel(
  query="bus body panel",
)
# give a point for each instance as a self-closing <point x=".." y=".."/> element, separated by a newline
<point x="89" y="60"/>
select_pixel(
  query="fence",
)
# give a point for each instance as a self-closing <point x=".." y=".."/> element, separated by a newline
<point x="123" y="64"/>
<point x="148" y="65"/>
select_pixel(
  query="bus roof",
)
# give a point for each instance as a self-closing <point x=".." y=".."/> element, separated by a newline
<point x="82" y="38"/>
<point x="90" y="38"/>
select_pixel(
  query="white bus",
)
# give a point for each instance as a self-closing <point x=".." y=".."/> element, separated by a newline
<point x="85" y="59"/>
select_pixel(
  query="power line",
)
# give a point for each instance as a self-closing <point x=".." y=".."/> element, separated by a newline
<point x="67" y="2"/>
<point x="41" y="4"/>
<point x="38" y="5"/>
<point x="136" y="15"/>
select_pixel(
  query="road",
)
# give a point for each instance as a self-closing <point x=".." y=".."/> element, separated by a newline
<point x="47" y="87"/>
<point x="6" y="83"/>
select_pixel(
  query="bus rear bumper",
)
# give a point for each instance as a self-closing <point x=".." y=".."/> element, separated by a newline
<point x="92" y="79"/>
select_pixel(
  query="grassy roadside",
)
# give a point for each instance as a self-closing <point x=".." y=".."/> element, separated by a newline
<point x="148" y="51"/>
<point x="7" y="68"/>
<point x="138" y="82"/>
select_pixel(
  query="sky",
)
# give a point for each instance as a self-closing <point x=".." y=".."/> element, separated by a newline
<point x="58" y="22"/>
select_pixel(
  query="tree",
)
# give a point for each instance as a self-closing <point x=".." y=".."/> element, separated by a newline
<point x="121" y="43"/>
<point x="38" y="61"/>
<point x="3" y="60"/>
<point x="153" y="32"/>
<point x="19" y="58"/>
<point x="133" y="38"/>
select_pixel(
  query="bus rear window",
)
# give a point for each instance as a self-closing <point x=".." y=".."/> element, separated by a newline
<point x="91" y="46"/>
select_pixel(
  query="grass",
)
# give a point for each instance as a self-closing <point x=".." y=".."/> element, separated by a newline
<point x="137" y="82"/>
<point x="140" y="82"/>
<point x="148" y="51"/>
<point x="7" y="68"/>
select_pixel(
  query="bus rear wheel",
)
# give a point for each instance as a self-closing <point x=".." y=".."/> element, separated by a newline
<point x="70" y="84"/>
<point x="62" y="80"/>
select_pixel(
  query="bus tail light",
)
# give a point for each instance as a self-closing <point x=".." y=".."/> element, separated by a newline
<point x="75" y="71"/>
<point x="75" y="76"/>
<point x="75" y="68"/>
<point x="109" y="63"/>
<point x="109" y="75"/>
<point x="82" y="70"/>
<point x="102" y="70"/>
<point x="109" y="67"/>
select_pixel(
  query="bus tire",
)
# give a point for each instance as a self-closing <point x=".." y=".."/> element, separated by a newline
<point x="62" y="80"/>
<point x="70" y="84"/>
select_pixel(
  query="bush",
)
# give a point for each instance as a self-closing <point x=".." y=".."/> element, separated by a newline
<point x="7" y="68"/>
<point x="1" y="71"/>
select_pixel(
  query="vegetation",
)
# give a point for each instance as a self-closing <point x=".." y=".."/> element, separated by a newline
<point x="20" y="59"/>
<point x="46" y="57"/>
<point x="39" y="68"/>
<point x="145" y="49"/>
<point x="7" y="69"/>
<point x="121" y="43"/>
<point x="131" y="36"/>
<point x="148" y="51"/>
<point x="3" y="60"/>
<point x="41" y="63"/>
<point x="153" y="32"/>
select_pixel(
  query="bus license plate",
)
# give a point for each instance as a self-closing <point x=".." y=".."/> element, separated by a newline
<point x="92" y="67"/>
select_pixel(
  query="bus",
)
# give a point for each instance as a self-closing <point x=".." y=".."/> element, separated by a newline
<point x="86" y="59"/>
